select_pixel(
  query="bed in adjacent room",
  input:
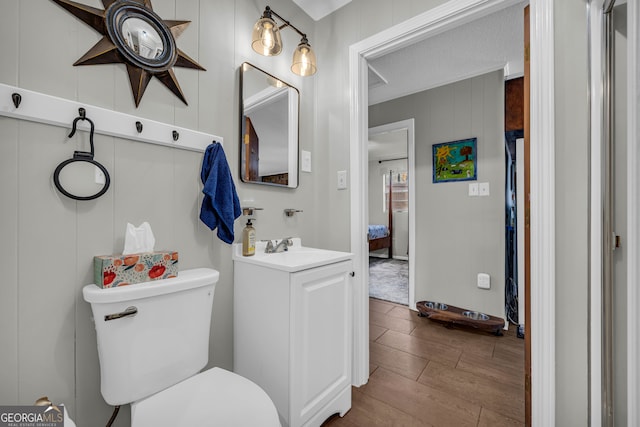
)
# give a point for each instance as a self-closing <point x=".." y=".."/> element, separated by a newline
<point x="381" y="236"/>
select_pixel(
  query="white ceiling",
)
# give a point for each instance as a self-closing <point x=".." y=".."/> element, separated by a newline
<point x="318" y="9"/>
<point x="487" y="44"/>
<point x="388" y="145"/>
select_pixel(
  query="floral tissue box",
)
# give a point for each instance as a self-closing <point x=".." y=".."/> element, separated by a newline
<point x="110" y="271"/>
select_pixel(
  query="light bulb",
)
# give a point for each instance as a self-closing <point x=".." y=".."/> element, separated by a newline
<point x="304" y="60"/>
<point x="266" y="38"/>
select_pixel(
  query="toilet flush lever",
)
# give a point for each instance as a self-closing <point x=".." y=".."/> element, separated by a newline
<point x="129" y="311"/>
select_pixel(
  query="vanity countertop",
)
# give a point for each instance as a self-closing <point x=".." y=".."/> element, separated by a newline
<point x="296" y="258"/>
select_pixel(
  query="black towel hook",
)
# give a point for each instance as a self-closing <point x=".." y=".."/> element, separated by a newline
<point x="83" y="116"/>
<point x="17" y="99"/>
<point x="62" y="180"/>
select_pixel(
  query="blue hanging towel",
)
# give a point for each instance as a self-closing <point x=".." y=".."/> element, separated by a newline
<point x="220" y="206"/>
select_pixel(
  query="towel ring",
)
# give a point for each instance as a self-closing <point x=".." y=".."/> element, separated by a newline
<point x="81" y="177"/>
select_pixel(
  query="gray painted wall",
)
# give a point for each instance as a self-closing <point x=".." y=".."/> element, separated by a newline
<point x="457" y="236"/>
<point x="352" y="23"/>
<point x="48" y="241"/>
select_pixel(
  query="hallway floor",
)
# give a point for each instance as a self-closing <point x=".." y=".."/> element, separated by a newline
<point x="389" y="280"/>
<point x="423" y="374"/>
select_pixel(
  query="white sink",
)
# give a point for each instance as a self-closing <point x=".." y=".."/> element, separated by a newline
<point x="296" y="258"/>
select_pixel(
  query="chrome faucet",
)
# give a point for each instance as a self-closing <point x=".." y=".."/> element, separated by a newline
<point x="280" y="247"/>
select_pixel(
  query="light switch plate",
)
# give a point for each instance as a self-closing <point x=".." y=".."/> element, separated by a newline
<point x="342" y="180"/>
<point x="484" y="188"/>
<point x="306" y="161"/>
<point x="473" y="189"/>
<point x="100" y="178"/>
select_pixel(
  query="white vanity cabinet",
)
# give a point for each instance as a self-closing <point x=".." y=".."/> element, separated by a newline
<point x="292" y="335"/>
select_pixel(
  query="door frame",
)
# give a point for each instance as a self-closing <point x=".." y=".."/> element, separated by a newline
<point x="409" y="125"/>
<point x="633" y="211"/>
<point x="633" y="214"/>
<point x="596" y="107"/>
<point x="632" y="243"/>
<point x="420" y="27"/>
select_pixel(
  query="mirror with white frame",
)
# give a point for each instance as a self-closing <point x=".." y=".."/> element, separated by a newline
<point x="268" y="129"/>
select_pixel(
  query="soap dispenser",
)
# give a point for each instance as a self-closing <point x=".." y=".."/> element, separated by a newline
<point x="248" y="239"/>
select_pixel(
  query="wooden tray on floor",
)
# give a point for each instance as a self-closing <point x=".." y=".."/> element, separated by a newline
<point x="451" y="315"/>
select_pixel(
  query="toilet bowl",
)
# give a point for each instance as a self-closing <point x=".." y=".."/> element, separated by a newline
<point x="153" y="341"/>
<point x="68" y="422"/>
<point x="215" y="397"/>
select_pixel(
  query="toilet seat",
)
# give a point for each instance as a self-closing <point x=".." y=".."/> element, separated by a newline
<point x="215" y="397"/>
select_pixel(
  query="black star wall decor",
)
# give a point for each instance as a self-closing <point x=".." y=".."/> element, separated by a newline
<point x="137" y="37"/>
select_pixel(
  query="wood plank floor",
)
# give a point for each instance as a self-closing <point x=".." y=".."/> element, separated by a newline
<point x="423" y="374"/>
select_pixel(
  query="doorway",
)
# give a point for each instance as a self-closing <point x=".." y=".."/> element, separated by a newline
<point x="450" y="15"/>
<point x="614" y="112"/>
<point x="614" y="300"/>
<point x="391" y="149"/>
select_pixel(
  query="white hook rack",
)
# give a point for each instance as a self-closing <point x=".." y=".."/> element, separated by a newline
<point x="51" y="110"/>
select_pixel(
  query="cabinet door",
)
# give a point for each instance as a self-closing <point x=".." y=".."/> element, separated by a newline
<point x="320" y="339"/>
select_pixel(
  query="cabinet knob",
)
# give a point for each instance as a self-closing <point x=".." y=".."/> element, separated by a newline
<point x="352" y="274"/>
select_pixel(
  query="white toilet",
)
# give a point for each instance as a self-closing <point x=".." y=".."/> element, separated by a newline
<point x="153" y="340"/>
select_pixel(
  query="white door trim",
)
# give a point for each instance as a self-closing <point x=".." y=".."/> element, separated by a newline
<point x="409" y="125"/>
<point x="542" y="222"/>
<point x="633" y="215"/>
<point x="596" y="58"/>
<point x="434" y="21"/>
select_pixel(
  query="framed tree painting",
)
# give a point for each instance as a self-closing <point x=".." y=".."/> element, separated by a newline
<point x="455" y="161"/>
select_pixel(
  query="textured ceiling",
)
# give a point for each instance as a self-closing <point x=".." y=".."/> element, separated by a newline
<point x="487" y="44"/>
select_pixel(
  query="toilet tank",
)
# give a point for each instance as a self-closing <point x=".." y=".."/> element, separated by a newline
<point x="164" y="342"/>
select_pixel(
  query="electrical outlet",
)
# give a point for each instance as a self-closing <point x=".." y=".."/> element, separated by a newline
<point x="473" y="189"/>
<point x="342" y="180"/>
<point x="484" y="281"/>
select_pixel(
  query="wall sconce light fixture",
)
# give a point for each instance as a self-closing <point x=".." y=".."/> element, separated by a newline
<point x="266" y="40"/>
